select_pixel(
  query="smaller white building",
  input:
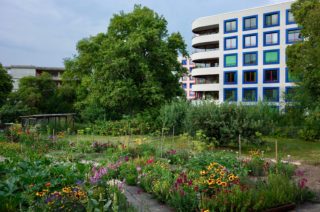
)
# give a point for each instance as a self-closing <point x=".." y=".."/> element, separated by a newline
<point x="19" y="71"/>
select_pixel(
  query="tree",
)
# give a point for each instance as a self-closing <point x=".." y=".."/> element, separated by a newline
<point x="5" y="85"/>
<point x="303" y="57"/>
<point x="131" y="68"/>
<point x="304" y="63"/>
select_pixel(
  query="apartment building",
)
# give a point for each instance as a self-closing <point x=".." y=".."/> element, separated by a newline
<point x="241" y="56"/>
<point x="187" y="81"/>
<point x="19" y="71"/>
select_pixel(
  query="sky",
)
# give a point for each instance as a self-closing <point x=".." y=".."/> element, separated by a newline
<point x="45" y="32"/>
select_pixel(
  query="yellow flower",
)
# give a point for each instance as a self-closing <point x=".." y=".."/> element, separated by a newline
<point x="203" y="172"/>
<point x="211" y="182"/>
<point x="222" y="173"/>
<point x="212" y="176"/>
<point x="66" y="190"/>
<point x="203" y="210"/>
<point x="40" y="194"/>
<point x="231" y="178"/>
<point x="219" y="182"/>
<point x="224" y="184"/>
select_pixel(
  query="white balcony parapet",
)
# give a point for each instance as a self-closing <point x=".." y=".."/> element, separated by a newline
<point x="205" y="39"/>
<point x="205" y="55"/>
<point x="205" y="71"/>
<point x="206" y="87"/>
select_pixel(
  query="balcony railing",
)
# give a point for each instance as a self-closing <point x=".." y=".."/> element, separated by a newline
<point x="206" y="33"/>
<point x="204" y="50"/>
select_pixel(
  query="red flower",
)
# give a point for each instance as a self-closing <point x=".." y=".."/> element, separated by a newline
<point x="48" y="184"/>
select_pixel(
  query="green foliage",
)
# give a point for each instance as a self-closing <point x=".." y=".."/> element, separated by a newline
<point x="129" y="173"/>
<point x="304" y="63"/>
<point x="128" y="69"/>
<point x="5" y="85"/>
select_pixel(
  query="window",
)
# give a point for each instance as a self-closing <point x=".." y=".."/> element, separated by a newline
<point x="293" y="35"/>
<point x="250" y="41"/>
<point x="250" y="58"/>
<point x="271" y="94"/>
<point x="230" y="60"/>
<point x="290" y="17"/>
<point x="289" y="76"/>
<point x="271" y="57"/>
<point x="272" y="19"/>
<point x="250" y="77"/>
<point x="190" y="78"/>
<point x="231" y="43"/>
<point x="250" y="23"/>
<point x="191" y="93"/>
<point x="191" y="85"/>
<point x="230" y="94"/>
<point x="230" y="77"/>
<point x="271" y="75"/>
<point x="249" y="94"/>
<point x="184" y="86"/>
<point x="289" y="94"/>
<point x="190" y="70"/>
<point x="184" y="62"/>
<point x="230" y="26"/>
<point x="271" y="38"/>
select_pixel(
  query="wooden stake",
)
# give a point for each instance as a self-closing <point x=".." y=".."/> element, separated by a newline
<point x="239" y="145"/>
<point x="276" y="149"/>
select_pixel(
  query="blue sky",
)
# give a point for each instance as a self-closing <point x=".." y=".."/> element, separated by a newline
<point x="44" y="32"/>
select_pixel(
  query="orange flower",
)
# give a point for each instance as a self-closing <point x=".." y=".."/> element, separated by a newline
<point x="224" y="184"/>
<point x="48" y="184"/>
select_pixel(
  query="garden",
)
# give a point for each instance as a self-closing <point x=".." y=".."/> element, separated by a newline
<point x="84" y="171"/>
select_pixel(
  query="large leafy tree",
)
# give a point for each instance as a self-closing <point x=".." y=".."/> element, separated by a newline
<point x="304" y="62"/>
<point x="5" y="85"/>
<point x="131" y="68"/>
<point x="303" y="57"/>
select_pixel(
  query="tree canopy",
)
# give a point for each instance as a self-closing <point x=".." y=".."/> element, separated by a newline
<point x="5" y="85"/>
<point x="303" y="57"/>
<point x="131" y="68"/>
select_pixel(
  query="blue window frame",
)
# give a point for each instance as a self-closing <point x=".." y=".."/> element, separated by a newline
<point x="289" y="17"/>
<point x="271" y="19"/>
<point x="184" y="62"/>
<point x="249" y="94"/>
<point x="190" y="85"/>
<point x="250" y="23"/>
<point x="250" y="58"/>
<point x="231" y="43"/>
<point x="271" y="75"/>
<point x="289" y="77"/>
<point x="271" y="38"/>
<point x="289" y="94"/>
<point x="230" y="77"/>
<point x="293" y="35"/>
<point x="230" y="94"/>
<point x="250" y="77"/>
<point x="250" y="40"/>
<point x="230" y="60"/>
<point x="271" y="94"/>
<point x="230" y="26"/>
<point x="271" y="57"/>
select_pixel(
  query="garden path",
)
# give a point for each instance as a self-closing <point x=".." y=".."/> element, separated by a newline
<point x="143" y="201"/>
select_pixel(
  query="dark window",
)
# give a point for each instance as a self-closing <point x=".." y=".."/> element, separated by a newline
<point x="230" y="94"/>
<point x="184" y="86"/>
<point x="271" y="76"/>
<point x="249" y="95"/>
<point x="294" y="36"/>
<point x="250" y="23"/>
<point x="230" y="77"/>
<point x="250" y="77"/>
<point x="250" y="59"/>
<point x="271" y="94"/>
<point x="271" y="19"/>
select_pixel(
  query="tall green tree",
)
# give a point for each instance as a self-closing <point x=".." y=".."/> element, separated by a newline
<point x="131" y="68"/>
<point x="304" y="63"/>
<point x="5" y="85"/>
<point x="303" y="57"/>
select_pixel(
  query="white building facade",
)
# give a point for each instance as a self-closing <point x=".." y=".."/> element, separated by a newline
<point x="187" y="81"/>
<point x="19" y="71"/>
<point x="241" y="56"/>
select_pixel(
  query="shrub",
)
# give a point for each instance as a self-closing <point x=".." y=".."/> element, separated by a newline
<point x="129" y="173"/>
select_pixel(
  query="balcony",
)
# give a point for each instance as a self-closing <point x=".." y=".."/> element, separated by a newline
<point x="205" y="55"/>
<point x="205" y="71"/>
<point x="203" y="40"/>
<point x="205" y="23"/>
<point x="206" y="87"/>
